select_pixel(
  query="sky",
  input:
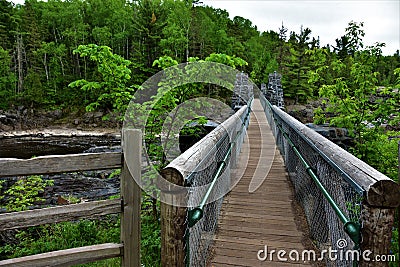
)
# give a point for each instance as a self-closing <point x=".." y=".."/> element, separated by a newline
<point x="327" y="19"/>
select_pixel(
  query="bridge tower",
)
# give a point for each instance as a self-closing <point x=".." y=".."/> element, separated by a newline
<point x="243" y="91"/>
<point x="274" y="92"/>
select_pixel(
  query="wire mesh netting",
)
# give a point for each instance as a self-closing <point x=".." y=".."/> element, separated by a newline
<point x="199" y="237"/>
<point x="326" y="229"/>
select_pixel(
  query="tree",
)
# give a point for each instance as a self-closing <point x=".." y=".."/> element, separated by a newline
<point x="357" y="102"/>
<point x="149" y="19"/>
<point x="176" y="32"/>
<point x="295" y="79"/>
<point x="7" y="24"/>
<point x="7" y="79"/>
<point x="111" y="91"/>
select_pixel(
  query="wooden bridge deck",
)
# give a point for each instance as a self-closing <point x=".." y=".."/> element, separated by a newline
<point x="249" y="221"/>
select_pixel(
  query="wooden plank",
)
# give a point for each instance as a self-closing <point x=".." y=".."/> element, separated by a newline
<point x="256" y="222"/>
<point x="68" y="257"/>
<point x="131" y="195"/>
<point x="262" y="230"/>
<point x="288" y="237"/>
<point x="227" y="245"/>
<point x="60" y="164"/>
<point x="265" y="217"/>
<point x="253" y="211"/>
<point x="235" y="241"/>
<point x="260" y="201"/>
<point x="23" y="219"/>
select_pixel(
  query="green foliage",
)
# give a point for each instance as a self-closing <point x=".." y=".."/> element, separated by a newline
<point x="349" y="87"/>
<point x="41" y="239"/>
<point x="380" y="150"/>
<point x="298" y="64"/>
<point x="354" y="98"/>
<point x="65" y="235"/>
<point x="7" y="79"/>
<point x="1" y="187"/>
<point x="112" y="90"/>
<point x="151" y="240"/>
<point x="231" y="61"/>
<point x="25" y="193"/>
<point x="194" y="127"/>
<point x="165" y="62"/>
<point x="116" y="172"/>
<point x="39" y="38"/>
<point x="395" y="247"/>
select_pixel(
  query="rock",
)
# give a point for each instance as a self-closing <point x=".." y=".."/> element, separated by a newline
<point x="20" y="108"/>
<point x="102" y="149"/>
<point x="11" y="116"/>
<point x="56" y="114"/>
<point x="88" y="117"/>
<point x="302" y="113"/>
<point x="98" y="115"/>
<point x="6" y="128"/>
<point x="76" y="121"/>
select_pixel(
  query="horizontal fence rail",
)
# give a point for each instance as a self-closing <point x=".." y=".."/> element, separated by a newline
<point x="60" y="164"/>
<point x="128" y="205"/>
<point x="345" y="200"/>
<point x="68" y="257"/>
<point x="86" y="210"/>
<point x="205" y="168"/>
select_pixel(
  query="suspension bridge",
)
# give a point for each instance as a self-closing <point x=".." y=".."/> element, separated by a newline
<point x="263" y="190"/>
<point x="295" y="198"/>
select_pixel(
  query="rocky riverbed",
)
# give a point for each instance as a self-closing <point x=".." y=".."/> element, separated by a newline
<point x="67" y="187"/>
<point x="22" y="118"/>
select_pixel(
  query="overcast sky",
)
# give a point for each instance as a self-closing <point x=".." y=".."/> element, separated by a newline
<point x="326" y="18"/>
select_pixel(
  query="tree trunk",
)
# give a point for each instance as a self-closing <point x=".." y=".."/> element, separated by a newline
<point x="20" y="64"/>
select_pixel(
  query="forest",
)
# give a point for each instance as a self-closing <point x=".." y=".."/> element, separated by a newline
<point x="39" y="41"/>
<point x="89" y="55"/>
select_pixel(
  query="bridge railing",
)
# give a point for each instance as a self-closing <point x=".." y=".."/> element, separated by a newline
<point x="205" y="171"/>
<point x="349" y="205"/>
<point x="128" y="205"/>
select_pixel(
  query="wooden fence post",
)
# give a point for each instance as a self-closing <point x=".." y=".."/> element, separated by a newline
<point x="131" y="197"/>
<point x="376" y="233"/>
<point x="173" y="222"/>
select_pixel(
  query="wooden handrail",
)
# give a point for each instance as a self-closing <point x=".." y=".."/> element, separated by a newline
<point x="174" y="217"/>
<point x="380" y="191"/>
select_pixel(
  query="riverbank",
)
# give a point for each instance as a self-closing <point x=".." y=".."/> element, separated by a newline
<point x="22" y="119"/>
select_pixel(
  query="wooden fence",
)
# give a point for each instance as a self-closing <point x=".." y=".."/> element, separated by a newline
<point x="128" y="205"/>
